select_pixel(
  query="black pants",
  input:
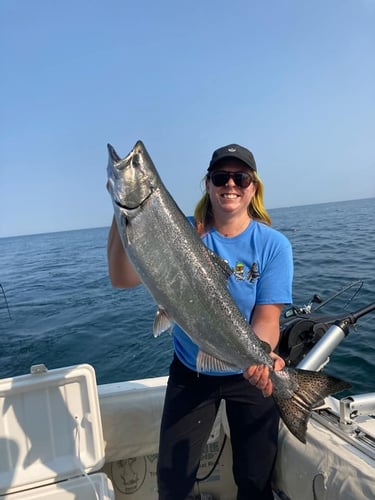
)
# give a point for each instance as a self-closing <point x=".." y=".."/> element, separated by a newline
<point x="190" y="407"/>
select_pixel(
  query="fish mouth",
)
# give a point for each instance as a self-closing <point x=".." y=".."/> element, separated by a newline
<point x="126" y="207"/>
<point x="131" y="207"/>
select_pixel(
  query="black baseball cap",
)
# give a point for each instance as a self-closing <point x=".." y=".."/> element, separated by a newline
<point x="233" y="151"/>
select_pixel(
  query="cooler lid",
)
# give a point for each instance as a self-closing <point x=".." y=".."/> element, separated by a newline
<point x="50" y="427"/>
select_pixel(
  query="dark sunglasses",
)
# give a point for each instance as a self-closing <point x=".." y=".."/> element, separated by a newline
<point x="221" y="177"/>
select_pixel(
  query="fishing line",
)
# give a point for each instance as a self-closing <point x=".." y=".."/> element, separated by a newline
<point x="6" y="302"/>
<point x="358" y="283"/>
<point x="200" y="479"/>
<point x="80" y="465"/>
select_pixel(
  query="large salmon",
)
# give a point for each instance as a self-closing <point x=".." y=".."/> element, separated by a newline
<point x="189" y="284"/>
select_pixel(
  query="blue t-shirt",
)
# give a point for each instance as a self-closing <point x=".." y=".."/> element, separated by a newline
<point x="262" y="263"/>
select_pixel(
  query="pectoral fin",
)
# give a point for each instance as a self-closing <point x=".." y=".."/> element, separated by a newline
<point x="162" y="322"/>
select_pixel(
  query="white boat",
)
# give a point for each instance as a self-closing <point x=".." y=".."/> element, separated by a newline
<point x="63" y="437"/>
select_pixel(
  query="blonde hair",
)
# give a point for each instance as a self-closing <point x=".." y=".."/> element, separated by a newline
<point x="203" y="215"/>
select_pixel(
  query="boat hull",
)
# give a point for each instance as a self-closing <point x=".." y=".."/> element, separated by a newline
<point x="327" y="466"/>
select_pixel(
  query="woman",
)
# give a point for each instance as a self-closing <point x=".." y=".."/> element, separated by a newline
<point x="233" y="222"/>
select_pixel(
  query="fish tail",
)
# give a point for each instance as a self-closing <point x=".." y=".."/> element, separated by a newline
<point x="311" y="389"/>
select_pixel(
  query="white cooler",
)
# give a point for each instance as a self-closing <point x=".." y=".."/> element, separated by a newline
<point x="51" y="438"/>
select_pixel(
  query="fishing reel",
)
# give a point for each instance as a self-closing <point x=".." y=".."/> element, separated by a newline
<point x="299" y="334"/>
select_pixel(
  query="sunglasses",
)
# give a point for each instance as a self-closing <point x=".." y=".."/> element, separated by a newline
<point x="221" y="177"/>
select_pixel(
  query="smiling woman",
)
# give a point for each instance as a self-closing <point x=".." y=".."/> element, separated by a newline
<point x="238" y="161"/>
<point x="230" y="197"/>
<point x="233" y="223"/>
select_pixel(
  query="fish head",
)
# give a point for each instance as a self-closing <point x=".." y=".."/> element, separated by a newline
<point x="131" y="180"/>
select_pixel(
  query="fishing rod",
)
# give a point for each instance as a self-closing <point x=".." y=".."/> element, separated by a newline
<point x="321" y="303"/>
<point x="6" y="301"/>
<point x="309" y="308"/>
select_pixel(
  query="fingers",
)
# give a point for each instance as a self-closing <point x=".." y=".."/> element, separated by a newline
<point x="267" y="391"/>
<point x="259" y="376"/>
<point x="278" y="362"/>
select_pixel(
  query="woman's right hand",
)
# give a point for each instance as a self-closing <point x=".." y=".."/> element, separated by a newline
<point x="259" y="375"/>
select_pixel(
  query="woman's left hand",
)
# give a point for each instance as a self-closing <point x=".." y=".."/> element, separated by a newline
<point x="259" y="375"/>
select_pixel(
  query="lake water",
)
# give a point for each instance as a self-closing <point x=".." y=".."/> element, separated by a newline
<point x="64" y="310"/>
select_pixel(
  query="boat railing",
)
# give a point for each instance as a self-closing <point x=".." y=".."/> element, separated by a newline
<point x="352" y="407"/>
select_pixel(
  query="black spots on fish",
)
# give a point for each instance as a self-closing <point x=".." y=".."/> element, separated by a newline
<point x="311" y="389"/>
<point x="320" y="383"/>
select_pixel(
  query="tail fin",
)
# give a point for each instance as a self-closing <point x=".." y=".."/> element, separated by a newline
<point x="312" y="388"/>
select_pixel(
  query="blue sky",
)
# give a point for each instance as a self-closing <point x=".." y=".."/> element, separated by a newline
<point x="292" y="80"/>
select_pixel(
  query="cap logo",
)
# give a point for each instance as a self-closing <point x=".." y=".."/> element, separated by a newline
<point x="231" y="150"/>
